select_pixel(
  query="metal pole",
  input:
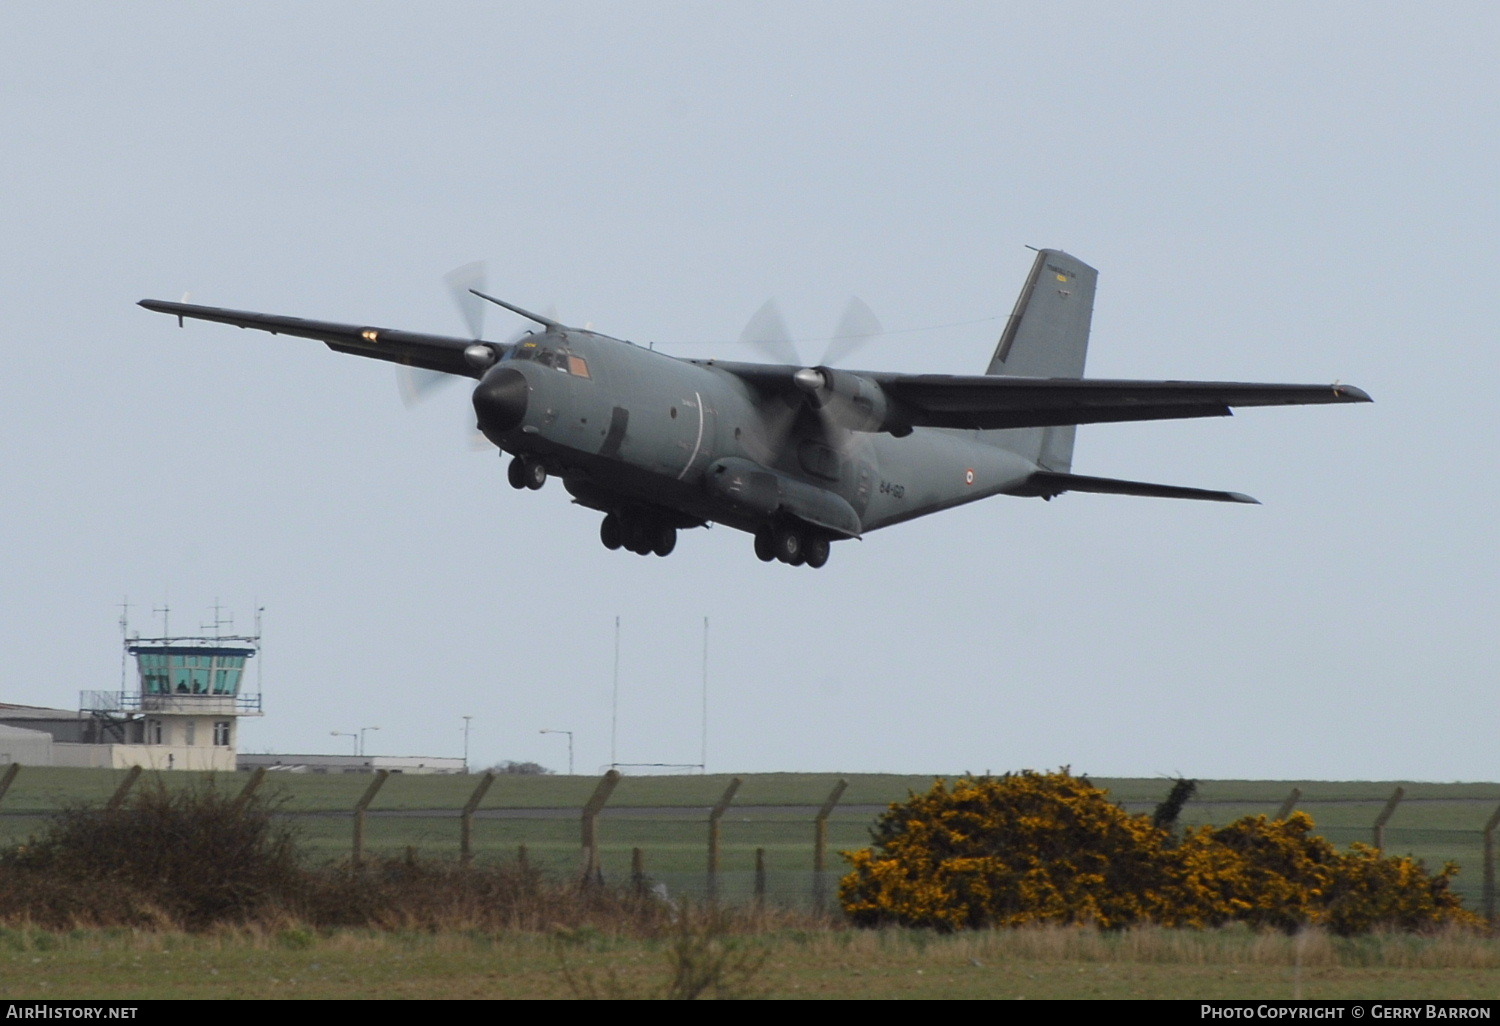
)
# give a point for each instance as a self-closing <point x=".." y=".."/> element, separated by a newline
<point x="10" y="778"/>
<point x="614" y="715"/>
<point x="703" y="755"/>
<point x="1385" y="815"/>
<point x="714" y="816"/>
<point x="591" y="810"/>
<point x="466" y="742"/>
<point x="120" y="792"/>
<point x="251" y="786"/>
<point x="466" y="819"/>
<point x="820" y="841"/>
<point x="547" y="730"/>
<point x="359" y="817"/>
<point x="1288" y="805"/>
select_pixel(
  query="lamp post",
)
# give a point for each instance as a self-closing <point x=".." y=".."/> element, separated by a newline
<point x="362" y="738"/>
<point x="355" y="737"/>
<point x="570" y="746"/>
<point x="466" y="742"/>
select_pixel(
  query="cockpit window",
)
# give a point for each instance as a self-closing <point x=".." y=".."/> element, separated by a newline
<point x="579" y="366"/>
<point x="524" y="352"/>
<point x="544" y="357"/>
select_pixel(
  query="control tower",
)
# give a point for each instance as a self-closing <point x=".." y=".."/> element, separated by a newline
<point x="184" y="713"/>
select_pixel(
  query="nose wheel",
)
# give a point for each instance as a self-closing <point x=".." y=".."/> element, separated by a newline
<point x="524" y="473"/>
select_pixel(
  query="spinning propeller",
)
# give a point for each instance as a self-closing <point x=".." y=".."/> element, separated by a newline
<point x="767" y="330"/>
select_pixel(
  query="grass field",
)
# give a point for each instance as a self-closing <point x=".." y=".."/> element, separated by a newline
<point x="666" y="816"/>
<point x="806" y="962"/>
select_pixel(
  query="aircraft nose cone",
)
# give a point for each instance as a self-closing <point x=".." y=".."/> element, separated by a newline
<point x="500" y="401"/>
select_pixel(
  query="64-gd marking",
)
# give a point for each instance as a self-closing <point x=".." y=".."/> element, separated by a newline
<point x="765" y="443"/>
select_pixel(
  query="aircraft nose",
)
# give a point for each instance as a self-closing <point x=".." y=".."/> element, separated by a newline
<point x="500" y="400"/>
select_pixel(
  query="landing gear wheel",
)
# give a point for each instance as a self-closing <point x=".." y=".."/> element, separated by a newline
<point x="788" y="542"/>
<point x="516" y="473"/>
<point x="765" y="545"/>
<point x="665" y="540"/>
<point x="637" y="537"/>
<point x="816" y="550"/>
<point x="535" y="474"/>
<point x="610" y="532"/>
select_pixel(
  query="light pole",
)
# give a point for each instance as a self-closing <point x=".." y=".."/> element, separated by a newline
<point x="466" y="742"/>
<point x="355" y="737"/>
<point x="570" y="746"/>
<point x="362" y="738"/>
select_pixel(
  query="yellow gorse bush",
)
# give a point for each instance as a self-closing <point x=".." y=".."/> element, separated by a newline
<point x="1033" y="847"/>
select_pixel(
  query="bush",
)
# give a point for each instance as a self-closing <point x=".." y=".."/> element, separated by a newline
<point x="197" y="859"/>
<point x="1007" y="851"/>
<point x="1052" y="848"/>
<point x="189" y="857"/>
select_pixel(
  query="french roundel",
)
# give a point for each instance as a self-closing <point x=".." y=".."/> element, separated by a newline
<point x="969" y="476"/>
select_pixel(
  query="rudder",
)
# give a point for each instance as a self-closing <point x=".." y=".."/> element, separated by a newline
<point x="1047" y="336"/>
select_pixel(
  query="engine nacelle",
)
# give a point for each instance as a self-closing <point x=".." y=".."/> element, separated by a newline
<point x="851" y="400"/>
<point x="767" y="493"/>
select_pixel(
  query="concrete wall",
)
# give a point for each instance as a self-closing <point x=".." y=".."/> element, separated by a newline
<point x="155" y="757"/>
<point x="28" y="747"/>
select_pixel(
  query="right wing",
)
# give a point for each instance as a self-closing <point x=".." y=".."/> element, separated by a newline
<point x="414" y="349"/>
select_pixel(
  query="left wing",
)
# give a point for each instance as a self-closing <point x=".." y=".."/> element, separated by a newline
<point x="414" y="349"/>
<point x="995" y="401"/>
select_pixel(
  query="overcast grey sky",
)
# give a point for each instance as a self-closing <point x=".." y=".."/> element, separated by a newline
<point x="1276" y="192"/>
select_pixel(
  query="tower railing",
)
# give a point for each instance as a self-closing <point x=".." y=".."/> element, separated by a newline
<point x="134" y="701"/>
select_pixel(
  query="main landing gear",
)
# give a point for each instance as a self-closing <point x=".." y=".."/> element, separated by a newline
<point x="639" y="534"/>
<point x="524" y="473"/>
<point x="792" y="545"/>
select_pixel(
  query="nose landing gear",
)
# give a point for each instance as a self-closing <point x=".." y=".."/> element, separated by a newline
<point x="524" y="473"/>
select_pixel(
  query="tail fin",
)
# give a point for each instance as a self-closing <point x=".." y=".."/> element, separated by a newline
<point x="1047" y="336"/>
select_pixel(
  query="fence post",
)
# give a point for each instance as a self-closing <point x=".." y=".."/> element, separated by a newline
<point x="1385" y="815"/>
<point x="251" y="786"/>
<point x="760" y="878"/>
<point x="466" y="820"/>
<point x="10" y="778"/>
<point x="714" y="815"/>
<point x="523" y="861"/>
<point x="1489" y="869"/>
<point x="820" y="842"/>
<point x="638" y="872"/>
<point x="359" y="816"/>
<point x="591" y="870"/>
<point x="120" y="792"/>
<point x="1288" y="805"/>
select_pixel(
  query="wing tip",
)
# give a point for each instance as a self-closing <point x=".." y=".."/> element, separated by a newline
<point x="1351" y="394"/>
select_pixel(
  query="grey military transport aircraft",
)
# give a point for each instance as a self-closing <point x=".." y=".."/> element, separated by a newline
<point x="798" y="456"/>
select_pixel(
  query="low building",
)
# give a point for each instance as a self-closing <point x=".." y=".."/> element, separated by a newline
<point x="351" y="763"/>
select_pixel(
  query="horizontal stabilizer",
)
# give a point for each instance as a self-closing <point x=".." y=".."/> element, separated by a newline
<point x="1046" y="484"/>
